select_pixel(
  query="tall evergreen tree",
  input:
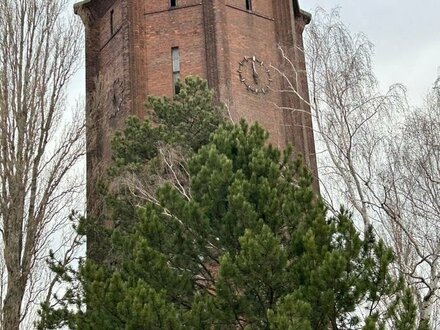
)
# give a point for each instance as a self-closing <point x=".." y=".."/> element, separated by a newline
<point x="248" y="246"/>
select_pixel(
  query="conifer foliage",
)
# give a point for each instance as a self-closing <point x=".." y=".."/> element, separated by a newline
<point x="249" y="247"/>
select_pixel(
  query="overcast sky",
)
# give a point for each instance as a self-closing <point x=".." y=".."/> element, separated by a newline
<point x="406" y="35"/>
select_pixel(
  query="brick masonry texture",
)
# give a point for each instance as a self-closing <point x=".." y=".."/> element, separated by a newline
<point x="131" y="60"/>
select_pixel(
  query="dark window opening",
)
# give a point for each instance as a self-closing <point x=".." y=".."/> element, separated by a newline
<point x="112" y="22"/>
<point x="175" y="58"/>
<point x="248" y="4"/>
<point x="173" y="3"/>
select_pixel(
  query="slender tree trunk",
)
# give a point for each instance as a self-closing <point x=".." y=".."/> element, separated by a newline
<point x="426" y="311"/>
<point x="12" y="303"/>
<point x="12" y="255"/>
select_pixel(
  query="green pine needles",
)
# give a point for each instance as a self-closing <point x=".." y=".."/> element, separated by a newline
<point x="243" y="243"/>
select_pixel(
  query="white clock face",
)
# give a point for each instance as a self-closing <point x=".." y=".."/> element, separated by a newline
<point x="255" y="75"/>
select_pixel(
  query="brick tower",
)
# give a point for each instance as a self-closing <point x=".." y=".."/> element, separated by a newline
<point x="136" y="48"/>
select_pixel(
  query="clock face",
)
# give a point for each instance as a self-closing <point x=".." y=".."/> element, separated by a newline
<point x="255" y="75"/>
<point x="116" y="97"/>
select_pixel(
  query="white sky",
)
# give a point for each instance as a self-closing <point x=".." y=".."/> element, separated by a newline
<point x="406" y="35"/>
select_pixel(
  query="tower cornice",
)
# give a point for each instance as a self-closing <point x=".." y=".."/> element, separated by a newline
<point x="306" y="16"/>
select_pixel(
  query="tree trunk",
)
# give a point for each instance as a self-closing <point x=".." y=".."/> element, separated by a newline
<point x="12" y="304"/>
<point x="426" y="311"/>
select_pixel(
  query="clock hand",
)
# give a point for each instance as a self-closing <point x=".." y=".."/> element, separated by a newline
<point x="254" y="73"/>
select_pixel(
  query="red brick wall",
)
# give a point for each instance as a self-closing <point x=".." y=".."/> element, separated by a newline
<point x="107" y="86"/>
<point x="253" y="35"/>
<point x="181" y="27"/>
<point x="113" y="76"/>
<point x="213" y="36"/>
<point x="263" y="7"/>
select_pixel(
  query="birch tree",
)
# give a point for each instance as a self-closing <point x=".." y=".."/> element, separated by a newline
<point x="408" y="194"/>
<point x="40" y="143"/>
<point x="375" y="153"/>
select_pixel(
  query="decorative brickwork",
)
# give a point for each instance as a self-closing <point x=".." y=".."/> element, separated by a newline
<point x="128" y="57"/>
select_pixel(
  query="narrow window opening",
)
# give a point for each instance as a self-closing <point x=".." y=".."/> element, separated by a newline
<point x="248" y="4"/>
<point x="175" y="58"/>
<point x="173" y="3"/>
<point x="112" y="22"/>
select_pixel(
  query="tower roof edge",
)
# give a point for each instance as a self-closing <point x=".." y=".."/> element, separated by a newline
<point x="299" y="12"/>
<point x="78" y="5"/>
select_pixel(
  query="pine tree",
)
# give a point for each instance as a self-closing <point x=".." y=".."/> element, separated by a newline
<point x="150" y="152"/>
<point x="250" y="246"/>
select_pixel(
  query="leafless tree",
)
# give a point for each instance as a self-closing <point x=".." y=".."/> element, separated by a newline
<point x="40" y="143"/>
<point x="408" y="193"/>
<point x="375" y="154"/>
<point x="350" y="111"/>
